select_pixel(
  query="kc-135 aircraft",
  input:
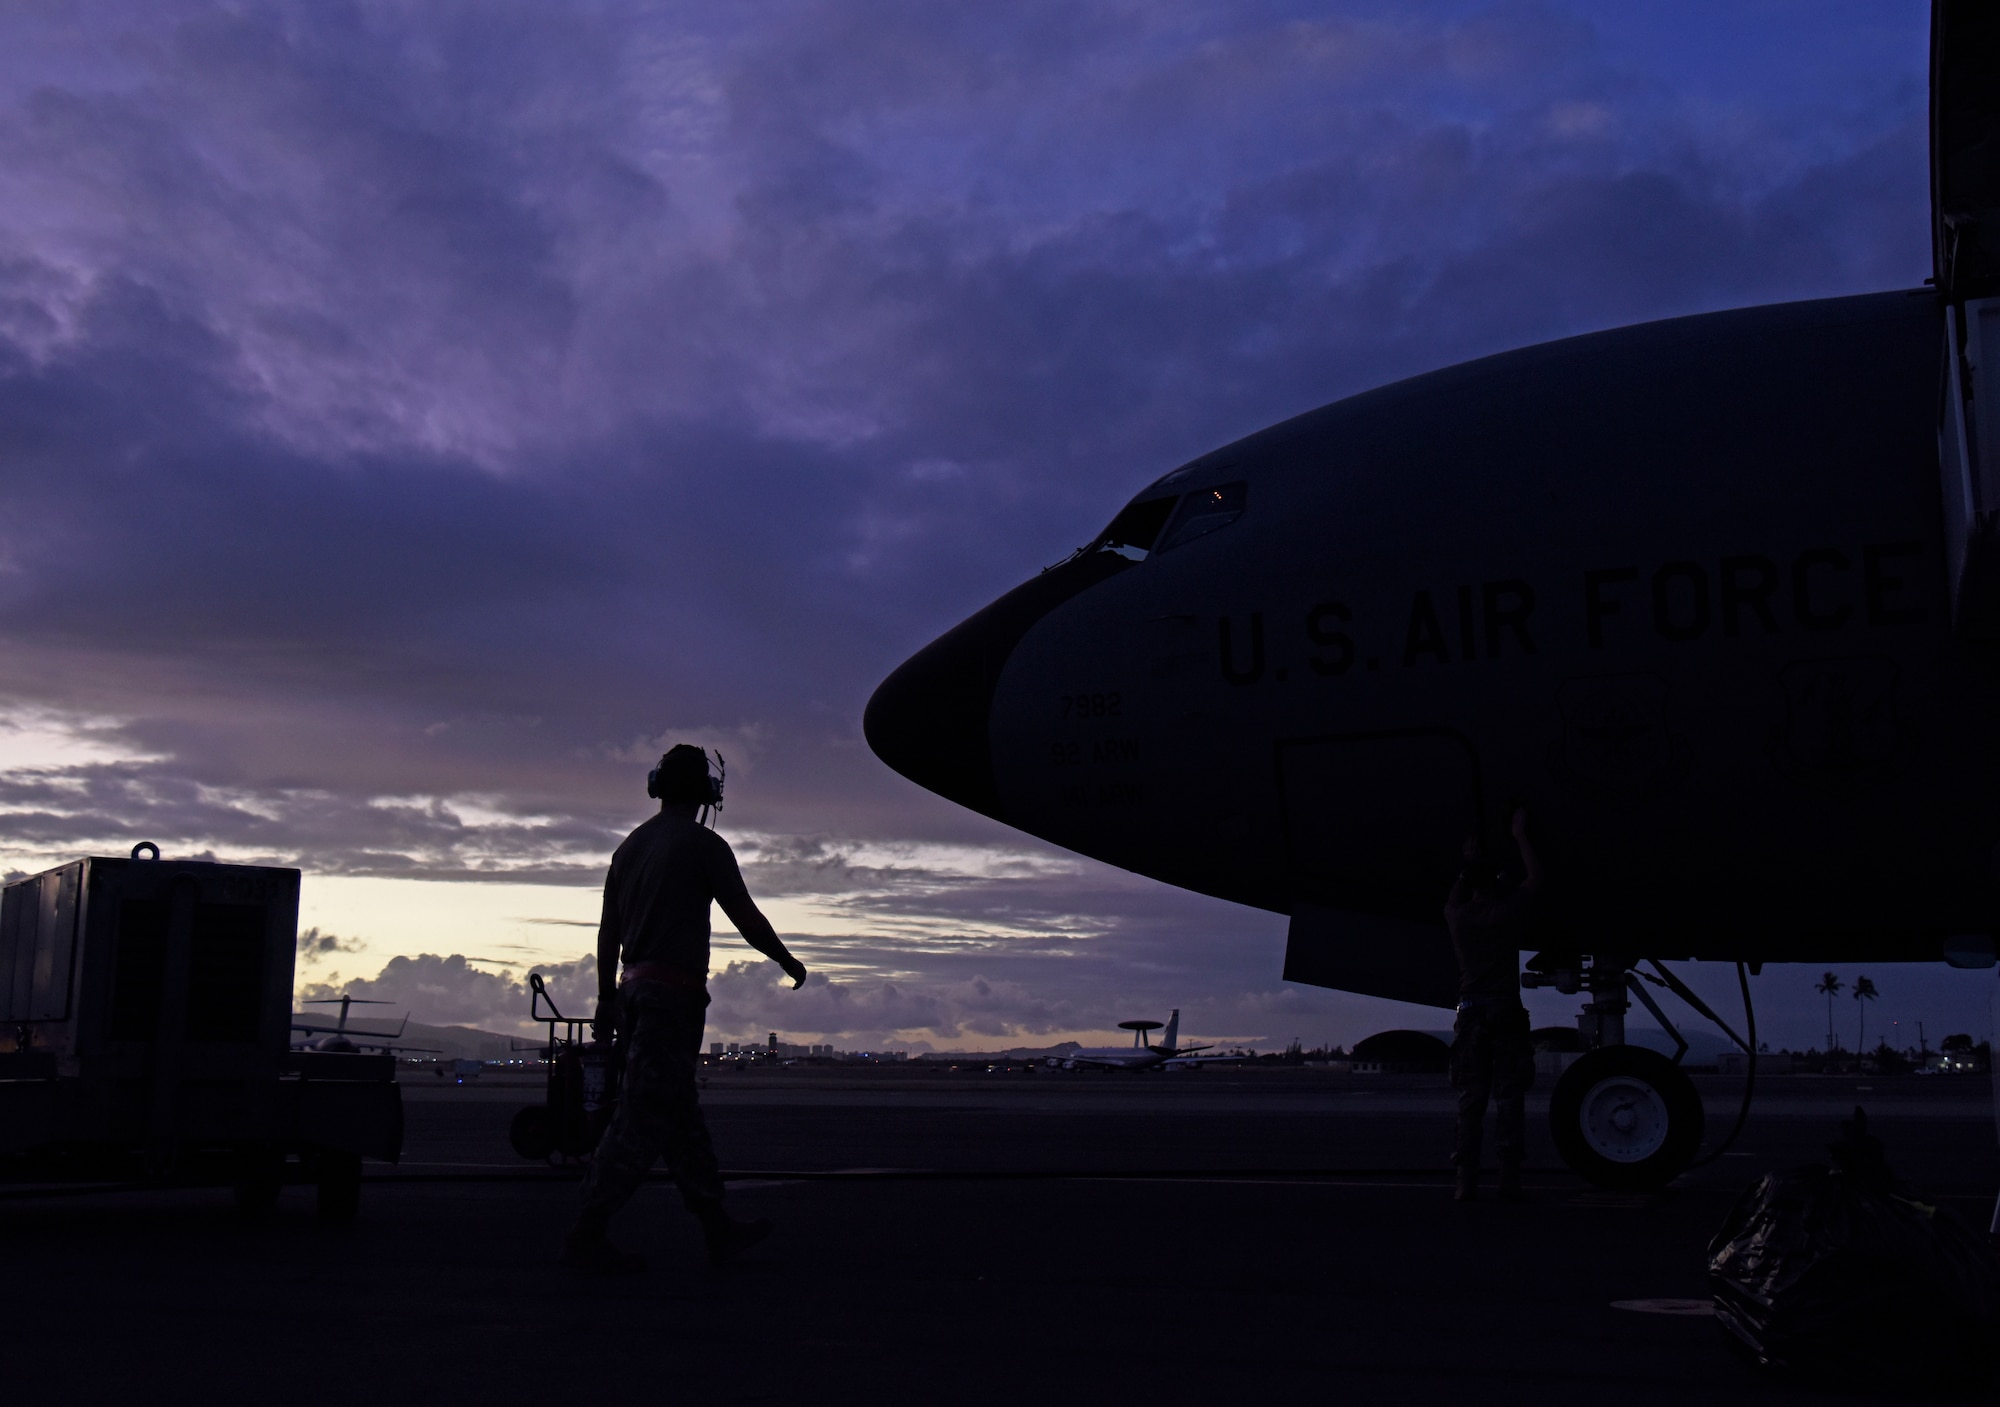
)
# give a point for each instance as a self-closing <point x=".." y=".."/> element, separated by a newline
<point x="1717" y="598"/>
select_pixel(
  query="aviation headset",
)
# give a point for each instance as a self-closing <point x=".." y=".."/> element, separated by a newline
<point x="682" y="774"/>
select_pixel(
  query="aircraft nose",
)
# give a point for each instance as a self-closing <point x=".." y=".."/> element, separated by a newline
<point x="930" y="719"/>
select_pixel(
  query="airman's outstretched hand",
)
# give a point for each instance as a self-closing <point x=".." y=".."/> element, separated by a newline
<point x="795" y="970"/>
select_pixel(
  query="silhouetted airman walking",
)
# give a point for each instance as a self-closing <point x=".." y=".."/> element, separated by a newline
<point x="656" y="914"/>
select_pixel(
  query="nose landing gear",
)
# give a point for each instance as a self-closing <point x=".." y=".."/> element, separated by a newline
<point x="1626" y="1117"/>
<point x="1622" y="1116"/>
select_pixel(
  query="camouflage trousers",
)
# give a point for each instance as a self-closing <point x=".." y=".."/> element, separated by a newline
<point x="1493" y="1059"/>
<point x="659" y="1110"/>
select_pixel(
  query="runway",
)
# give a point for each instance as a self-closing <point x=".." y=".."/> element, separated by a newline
<point x="957" y="1237"/>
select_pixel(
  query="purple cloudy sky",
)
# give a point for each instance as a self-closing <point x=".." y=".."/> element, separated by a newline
<point x="413" y="415"/>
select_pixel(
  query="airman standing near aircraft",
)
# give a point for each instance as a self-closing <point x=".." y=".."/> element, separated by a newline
<point x="1491" y="1056"/>
<point x="656" y="917"/>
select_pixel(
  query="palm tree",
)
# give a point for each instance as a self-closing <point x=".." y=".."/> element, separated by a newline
<point x="1864" y="991"/>
<point x="1830" y="985"/>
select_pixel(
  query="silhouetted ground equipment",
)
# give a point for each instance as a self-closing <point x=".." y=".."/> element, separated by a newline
<point x="1842" y="1275"/>
<point x="582" y="1088"/>
<point x="145" y="1017"/>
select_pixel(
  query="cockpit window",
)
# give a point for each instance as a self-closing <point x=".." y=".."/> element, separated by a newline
<point x="1203" y="512"/>
<point x="1133" y="532"/>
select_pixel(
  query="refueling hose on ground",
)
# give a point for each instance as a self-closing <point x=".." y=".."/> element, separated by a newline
<point x="1750" y="1081"/>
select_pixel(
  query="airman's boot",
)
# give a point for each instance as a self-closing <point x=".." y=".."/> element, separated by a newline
<point x="1468" y="1183"/>
<point x="727" y="1237"/>
<point x="588" y="1249"/>
<point x="1510" y="1181"/>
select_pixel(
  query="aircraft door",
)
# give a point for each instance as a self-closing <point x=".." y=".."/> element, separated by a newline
<point x="1965" y="225"/>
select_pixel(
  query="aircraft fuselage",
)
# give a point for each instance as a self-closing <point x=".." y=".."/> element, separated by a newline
<point x="1679" y="588"/>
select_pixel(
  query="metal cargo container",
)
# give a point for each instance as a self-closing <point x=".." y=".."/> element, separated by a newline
<point x="145" y="1021"/>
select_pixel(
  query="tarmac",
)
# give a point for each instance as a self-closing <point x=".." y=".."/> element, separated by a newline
<point x="1241" y="1236"/>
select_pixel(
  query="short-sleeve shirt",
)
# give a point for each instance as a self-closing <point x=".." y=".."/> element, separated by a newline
<point x="656" y="897"/>
<point x="1486" y="935"/>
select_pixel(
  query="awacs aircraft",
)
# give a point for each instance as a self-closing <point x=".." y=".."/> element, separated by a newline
<point x="1718" y="598"/>
<point x="1142" y="1054"/>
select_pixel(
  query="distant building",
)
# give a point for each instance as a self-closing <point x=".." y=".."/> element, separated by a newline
<point x="715" y="1048"/>
<point x="1403" y="1053"/>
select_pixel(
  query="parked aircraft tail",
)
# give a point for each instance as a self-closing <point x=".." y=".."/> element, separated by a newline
<point x="1172" y="1038"/>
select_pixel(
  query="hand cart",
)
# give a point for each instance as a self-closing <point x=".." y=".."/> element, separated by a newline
<point x="582" y="1086"/>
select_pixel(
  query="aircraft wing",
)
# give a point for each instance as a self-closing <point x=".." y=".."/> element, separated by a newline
<point x="355" y="1033"/>
<point x="379" y="1047"/>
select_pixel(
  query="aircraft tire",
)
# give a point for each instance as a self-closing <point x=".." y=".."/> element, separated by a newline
<point x="338" y="1178"/>
<point x="532" y="1133"/>
<point x="1626" y="1118"/>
